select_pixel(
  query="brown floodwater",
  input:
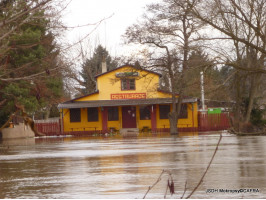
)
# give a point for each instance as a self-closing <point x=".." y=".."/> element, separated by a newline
<point x="117" y="167"/>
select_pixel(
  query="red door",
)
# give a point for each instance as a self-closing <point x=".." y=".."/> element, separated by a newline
<point x="129" y="117"/>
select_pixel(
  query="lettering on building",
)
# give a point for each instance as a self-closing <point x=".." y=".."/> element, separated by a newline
<point x="128" y="96"/>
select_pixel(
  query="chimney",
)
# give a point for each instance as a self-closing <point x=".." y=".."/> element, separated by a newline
<point x="104" y="67"/>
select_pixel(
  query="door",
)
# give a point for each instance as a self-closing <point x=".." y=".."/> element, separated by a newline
<point x="129" y="117"/>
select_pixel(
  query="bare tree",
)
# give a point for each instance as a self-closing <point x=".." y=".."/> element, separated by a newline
<point x="248" y="14"/>
<point x="168" y="31"/>
<point x="242" y="23"/>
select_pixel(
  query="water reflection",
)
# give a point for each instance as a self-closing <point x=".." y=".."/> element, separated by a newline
<point x="17" y="142"/>
<point x="124" y="167"/>
<point x="252" y="165"/>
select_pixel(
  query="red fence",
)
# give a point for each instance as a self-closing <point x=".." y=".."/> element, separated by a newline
<point x="213" y="122"/>
<point x="49" y="127"/>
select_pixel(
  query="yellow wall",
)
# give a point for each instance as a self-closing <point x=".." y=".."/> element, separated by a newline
<point x="84" y="125"/>
<point x="142" y="123"/>
<point x="108" y="84"/>
<point x="190" y="121"/>
<point x="116" y="124"/>
<point x="182" y="123"/>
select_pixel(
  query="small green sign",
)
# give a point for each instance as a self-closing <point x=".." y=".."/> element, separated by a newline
<point x="214" y="110"/>
<point x="126" y="74"/>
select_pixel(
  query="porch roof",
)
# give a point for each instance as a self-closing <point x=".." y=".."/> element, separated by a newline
<point x="124" y="102"/>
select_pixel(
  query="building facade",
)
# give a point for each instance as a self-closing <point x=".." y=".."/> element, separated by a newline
<point x="126" y="98"/>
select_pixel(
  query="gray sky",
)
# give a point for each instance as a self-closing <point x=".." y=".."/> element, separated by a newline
<point x="123" y="12"/>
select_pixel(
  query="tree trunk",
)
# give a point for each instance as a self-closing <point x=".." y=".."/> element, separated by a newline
<point x="47" y="112"/>
<point x="173" y="118"/>
<point x="174" y="114"/>
<point x="252" y="95"/>
<point x="176" y="107"/>
<point x="237" y="113"/>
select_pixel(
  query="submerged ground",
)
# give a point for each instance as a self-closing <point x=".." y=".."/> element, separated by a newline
<point x="117" y="167"/>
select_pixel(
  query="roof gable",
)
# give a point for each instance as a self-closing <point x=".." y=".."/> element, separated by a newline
<point x="131" y="66"/>
<point x="78" y="98"/>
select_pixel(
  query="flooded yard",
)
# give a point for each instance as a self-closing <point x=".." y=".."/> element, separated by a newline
<point x="117" y="167"/>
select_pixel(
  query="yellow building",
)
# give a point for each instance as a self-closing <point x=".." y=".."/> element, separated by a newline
<point x="126" y="98"/>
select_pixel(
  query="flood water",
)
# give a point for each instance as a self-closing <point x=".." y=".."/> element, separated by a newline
<point x="117" y="167"/>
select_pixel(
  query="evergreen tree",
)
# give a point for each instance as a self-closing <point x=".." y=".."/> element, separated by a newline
<point x="93" y="66"/>
<point x="30" y="49"/>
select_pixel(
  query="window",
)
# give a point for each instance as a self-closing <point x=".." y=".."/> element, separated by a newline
<point x="164" y="111"/>
<point x="145" y="112"/>
<point x="113" y="114"/>
<point x="127" y="84"/>
<point x="75" y="115"/>
<point x="92" y="114"/>
<point x="183" y="111"/>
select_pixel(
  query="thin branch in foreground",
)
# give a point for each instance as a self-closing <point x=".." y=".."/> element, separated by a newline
<point x="206" y="168"/>
<point x="166" y="191"/>
<point x="170" y="183"/>
<point x="150" y="187"/>
<point x="185" y="189"/>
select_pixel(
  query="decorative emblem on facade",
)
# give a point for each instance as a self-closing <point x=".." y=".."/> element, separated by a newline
<point x="126" y="74"/>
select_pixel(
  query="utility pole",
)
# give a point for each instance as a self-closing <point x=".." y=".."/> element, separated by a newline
<point x="202" y="91"/>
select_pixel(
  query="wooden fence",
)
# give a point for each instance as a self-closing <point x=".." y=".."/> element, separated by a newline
<point x="207" y="122"/>
<point x="213" y="122"/>
<point x="49" y="127"/>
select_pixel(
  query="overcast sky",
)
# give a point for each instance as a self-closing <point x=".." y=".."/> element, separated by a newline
<point x="123" y="13"/>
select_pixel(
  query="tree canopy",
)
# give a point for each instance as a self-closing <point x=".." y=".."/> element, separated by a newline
<point x="231" y="34"/>
<point x="28" y="56"/>
<point x="168" y="32"/>
<point x="93" y="66"/>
